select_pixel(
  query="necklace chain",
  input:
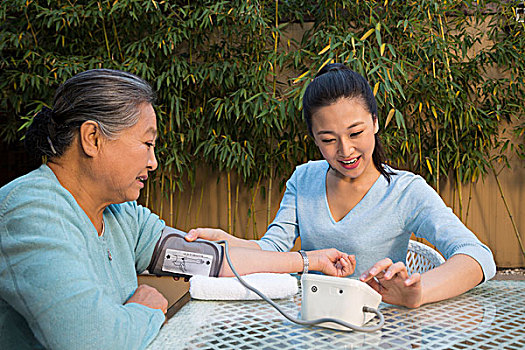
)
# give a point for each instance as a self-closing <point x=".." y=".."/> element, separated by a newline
<point x="101" y="235"/>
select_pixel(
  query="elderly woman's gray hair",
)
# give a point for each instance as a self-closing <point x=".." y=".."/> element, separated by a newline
<point x="109" y="97"/>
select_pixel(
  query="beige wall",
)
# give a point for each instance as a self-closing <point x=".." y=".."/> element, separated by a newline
<point x="488" y="217"/>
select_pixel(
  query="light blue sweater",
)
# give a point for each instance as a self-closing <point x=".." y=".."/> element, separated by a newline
<point x="58" y="287"/>
<point x="379" y="226"/>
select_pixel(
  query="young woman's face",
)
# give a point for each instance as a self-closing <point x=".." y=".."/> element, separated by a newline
<point x="344" y="133"/>
<point x="128" y="159"/>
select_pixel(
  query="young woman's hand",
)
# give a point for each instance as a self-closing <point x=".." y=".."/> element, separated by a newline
<point x="331" y="262"/>
<point x="209" y="234"/>
<point x="392" y="282"/>
<point x="215" y="234"/>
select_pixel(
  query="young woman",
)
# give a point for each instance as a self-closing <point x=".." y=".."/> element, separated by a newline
<point x="354" y="202"/>
<point x="72" y="237"/>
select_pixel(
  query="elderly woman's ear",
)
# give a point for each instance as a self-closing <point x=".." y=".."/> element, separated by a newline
<point x="90" y="138"/>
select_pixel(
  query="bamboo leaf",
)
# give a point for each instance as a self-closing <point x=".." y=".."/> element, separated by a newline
<point x="429" y="166"/>
<point x="389" y="117"/>
<point x="367" y="34"/>
<point x="296" y="80"/>
<point x="326" y="48"/>
<point x="376" y="87"/>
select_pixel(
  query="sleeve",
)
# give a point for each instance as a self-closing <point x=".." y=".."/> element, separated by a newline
<point x="46" y="277"/>
<point x="430" y="218"/>
<point x="284" y="230"/>
<point x="150" y="230"/>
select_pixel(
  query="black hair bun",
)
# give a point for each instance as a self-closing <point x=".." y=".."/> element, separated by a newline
<point x="40" y="133"/>
<point x="331" y="67"/>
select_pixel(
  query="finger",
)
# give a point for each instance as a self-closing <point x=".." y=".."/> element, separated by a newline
<point x="374" y="270"/>
<point x="348" y="267"/>
<point x="375" y="285"/>
<point x="380" y="275"/>
<point x="413" y="280"/>
<point x="341" y="267"/>
<point x="352" y="260"/>
<point x="398" y="269"/>
<point x="191" y="235"/>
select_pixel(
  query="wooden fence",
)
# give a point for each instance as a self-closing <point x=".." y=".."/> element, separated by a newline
<point x="487" y="215"/>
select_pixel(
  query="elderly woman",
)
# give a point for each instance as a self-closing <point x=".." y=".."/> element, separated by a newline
<point x="72" y="237"/>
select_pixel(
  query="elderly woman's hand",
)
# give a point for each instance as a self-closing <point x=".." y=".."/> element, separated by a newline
<point x="331" y="262"/>
<point x="150" y="297"/>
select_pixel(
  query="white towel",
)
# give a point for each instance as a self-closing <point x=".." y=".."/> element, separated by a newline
<point x="273" y="285"/>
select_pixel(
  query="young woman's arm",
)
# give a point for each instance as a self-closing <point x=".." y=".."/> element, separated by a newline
<point x="457" y="275"/>
<point x="215" y="234"/>
<point x="328" y="261"/>
<point x="469" y="262"/>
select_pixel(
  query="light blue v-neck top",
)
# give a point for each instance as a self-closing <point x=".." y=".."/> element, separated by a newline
<point x="58" y="286"/>
<point x="379" y="226"/>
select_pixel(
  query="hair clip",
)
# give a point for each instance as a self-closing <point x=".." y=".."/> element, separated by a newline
<point x="51" y="145"/>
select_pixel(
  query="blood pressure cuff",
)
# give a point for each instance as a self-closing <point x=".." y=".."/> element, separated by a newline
<point x="174" y="256"/>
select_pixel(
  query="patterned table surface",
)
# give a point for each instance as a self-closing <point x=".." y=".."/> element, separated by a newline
<point x="491" y="316"/>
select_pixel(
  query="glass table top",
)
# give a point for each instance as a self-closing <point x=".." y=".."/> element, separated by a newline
<point x="490" y="316"/>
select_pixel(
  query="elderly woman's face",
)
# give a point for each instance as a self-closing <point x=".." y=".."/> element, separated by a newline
<point x="127" y="160"/>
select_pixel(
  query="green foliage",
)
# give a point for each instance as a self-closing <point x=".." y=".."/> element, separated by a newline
<point x="221" y="70"/>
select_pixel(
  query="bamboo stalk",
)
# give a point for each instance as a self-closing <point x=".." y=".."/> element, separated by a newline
<point x="437" y="149"/>
<point x="147" y="192"/>
<point x="508" y="209"/>
<point x="161" y="195"/>
<point x="469" y="199"/>
<point x="229" y="202"/>
<point x="254" y="234"/>
<point x="248" y="218"/>
<point x="171" y="201"/>
<point x="454" y="198"/>
<point x="419" y="141"/>
<point x="179" y="194"/>
<point x="236" y="210"/>
<point x="30" y="26"/>
<point x="274" y="83"/>
<point x="105" y="32"/>
<point x="189" y="208"/>
<point x="199" y="207"/>
<point x="116" y="37"/>
<point x="269" y="199"/>
<point x="460" y="199"/>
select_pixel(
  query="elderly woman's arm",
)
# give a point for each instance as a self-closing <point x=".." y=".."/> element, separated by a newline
<point x="63" y="282"/>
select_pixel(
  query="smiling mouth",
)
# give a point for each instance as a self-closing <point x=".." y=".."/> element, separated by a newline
<point x="142" y="178"/>
<point x="351" y="161"/>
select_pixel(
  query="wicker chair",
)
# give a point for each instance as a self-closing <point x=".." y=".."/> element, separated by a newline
<point x="421" y="257"/>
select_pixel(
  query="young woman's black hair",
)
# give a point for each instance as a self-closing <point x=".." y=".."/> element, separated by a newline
<point x="335" y="81"/>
